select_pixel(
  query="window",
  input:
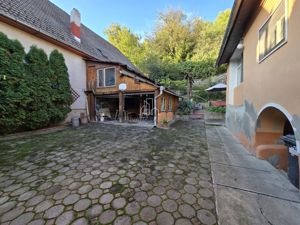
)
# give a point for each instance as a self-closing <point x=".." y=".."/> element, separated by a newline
<point x="240" y="71"/>
<point x="170" y="108"/>
<point x="107" y="77"/>
<point x="273" y="34"/>
<point x="163" y="104"/>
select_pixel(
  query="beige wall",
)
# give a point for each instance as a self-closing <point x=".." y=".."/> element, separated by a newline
<point x="275" y="81"/>
<point x="76" y="65"/>
<point x="277" y="78"/>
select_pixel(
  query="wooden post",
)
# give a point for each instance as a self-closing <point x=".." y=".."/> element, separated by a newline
<point x="121" y="107"/>
<point x="92" y="108"/>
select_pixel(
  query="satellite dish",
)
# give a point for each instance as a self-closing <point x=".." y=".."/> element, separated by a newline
<point x="122" y="87"/>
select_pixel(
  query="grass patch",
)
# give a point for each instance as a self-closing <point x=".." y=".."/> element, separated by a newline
<point x="13" y="151"/>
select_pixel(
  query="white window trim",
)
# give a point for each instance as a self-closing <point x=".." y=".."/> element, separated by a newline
<point x="238" y="77"/>
<point x="286" y="32"/>
<point x="104" y="78"/>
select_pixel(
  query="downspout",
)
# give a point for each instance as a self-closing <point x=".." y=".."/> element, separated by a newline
<point x="161" y="89"/>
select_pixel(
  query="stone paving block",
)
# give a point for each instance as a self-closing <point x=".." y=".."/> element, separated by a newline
<point x="99" y="179"/>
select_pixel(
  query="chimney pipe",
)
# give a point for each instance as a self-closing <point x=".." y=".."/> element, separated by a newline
<point x="75" y="24"/>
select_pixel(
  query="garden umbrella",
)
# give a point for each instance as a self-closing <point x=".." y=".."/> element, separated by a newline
<point x="217" y="87"/>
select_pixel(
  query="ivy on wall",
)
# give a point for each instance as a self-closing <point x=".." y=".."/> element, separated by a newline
<point x="34" y="90"/>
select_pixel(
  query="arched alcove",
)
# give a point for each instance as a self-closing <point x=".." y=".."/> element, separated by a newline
<point x="272" y="123"/>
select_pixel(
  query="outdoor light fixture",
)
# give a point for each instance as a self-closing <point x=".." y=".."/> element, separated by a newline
<point x="240" y="46"/>
<point x="122" y="87"/>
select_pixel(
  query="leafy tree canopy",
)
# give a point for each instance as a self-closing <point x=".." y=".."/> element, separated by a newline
<point x="177" y="46"/>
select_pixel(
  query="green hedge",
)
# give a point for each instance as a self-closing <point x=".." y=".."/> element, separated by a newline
<point x="34" y="90"/>
<point x="220" y="109"/>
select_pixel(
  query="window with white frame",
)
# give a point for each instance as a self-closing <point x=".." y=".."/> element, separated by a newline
<point x="240" y="71"/>
<point x="170" y="107"/>
<point x="273" y="34"/>
<point x="163" y="104"/>
<point x="106" y="77"/>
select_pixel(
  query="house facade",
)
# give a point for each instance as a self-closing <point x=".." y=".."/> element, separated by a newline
<point x="116" y="93"/>
<point x="96" y="68"/>
<point x="261" y="47"/>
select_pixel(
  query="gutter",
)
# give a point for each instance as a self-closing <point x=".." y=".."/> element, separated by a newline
<point x="161" y="90"/>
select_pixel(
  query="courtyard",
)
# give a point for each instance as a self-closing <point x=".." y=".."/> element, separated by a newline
<point x="108" y="174"/>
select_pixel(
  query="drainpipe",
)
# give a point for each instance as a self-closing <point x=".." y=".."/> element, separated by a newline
<point x="161" y="89"/>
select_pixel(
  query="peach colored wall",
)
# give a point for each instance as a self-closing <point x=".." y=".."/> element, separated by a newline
<point x="274" y="80"/>
<point x="277" y="78"/>
<point x="76" y="65"/>
<point x="166" y="115"/>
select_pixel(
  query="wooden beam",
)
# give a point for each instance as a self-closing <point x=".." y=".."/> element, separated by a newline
<point x="121" y="106"/>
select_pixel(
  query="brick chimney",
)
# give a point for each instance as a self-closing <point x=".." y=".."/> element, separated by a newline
<point x="75" y="24"/>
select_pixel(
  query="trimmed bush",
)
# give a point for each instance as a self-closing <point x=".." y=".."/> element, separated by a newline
<point x="14" y="94"/>
<point x="220" y="109"/>
<point x="61" y="88"/>
<point x="34" y="91"/>
<point x="38" y="80"/>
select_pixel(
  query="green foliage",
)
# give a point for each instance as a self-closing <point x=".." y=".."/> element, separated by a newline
<point x="33" y="93"/>
<point x="38" y="79"/>
<point x="178" y="46"/>
<point x="209" y="36"/>
<point x="127" y="42"/>
<point x="61" y="88"/>
<point x="13" y="91"/>
<point x="185" y="107"/>
<point x="219" y="109"/>
<point x="173" y="38"/>
<point x="201" y="95"/>
<point x="179" y="85"/>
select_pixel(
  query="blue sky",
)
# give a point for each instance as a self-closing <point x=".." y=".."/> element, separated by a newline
<point x="138" y="15"/>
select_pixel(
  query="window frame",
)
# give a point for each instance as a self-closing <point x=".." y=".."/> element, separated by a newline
<point x="240" y="76"/>
<point x="104" y="77"/>
<point x="285" y="2"/>
<point x="163" y="104"/>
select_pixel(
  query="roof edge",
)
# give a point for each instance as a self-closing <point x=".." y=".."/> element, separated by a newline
<point x="232" y="20"/>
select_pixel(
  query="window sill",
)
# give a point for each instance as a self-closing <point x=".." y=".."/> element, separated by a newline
<point x="107" y="87"/>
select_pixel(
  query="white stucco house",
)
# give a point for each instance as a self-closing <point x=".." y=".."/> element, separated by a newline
<point x="42" y="23"/>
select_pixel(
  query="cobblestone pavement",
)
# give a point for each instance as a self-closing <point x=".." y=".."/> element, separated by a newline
<point x="104" y="174"/>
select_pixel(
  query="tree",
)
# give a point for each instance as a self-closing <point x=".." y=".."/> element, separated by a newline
<point x="38" y="79"/>
<point x="173" y="37"/>
<point x="127" y="42"/>
<point x="209" y="36"/>
<point x="13" y="90"/>
<point x="179" y="47"/>
<point x="61" y="89"/>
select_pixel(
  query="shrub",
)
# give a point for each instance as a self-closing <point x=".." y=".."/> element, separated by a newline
<point x="185" y="107"/>
<point x="34" y="91"/>
<point x="61" y="88"/>
<point x="38" y="79"/>
<point x="13" y="90"/>
<point x="220" y="109"/>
